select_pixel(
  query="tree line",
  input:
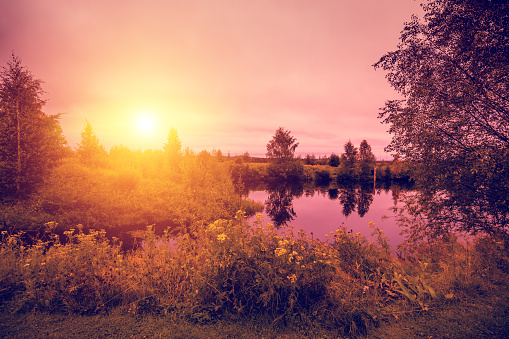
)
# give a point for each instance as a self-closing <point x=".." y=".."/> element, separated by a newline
<point x="354" y="165"/>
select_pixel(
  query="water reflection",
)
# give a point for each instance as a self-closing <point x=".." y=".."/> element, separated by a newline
<point x="319" y="210"/>
<point x="279" y="203"/>
<point x="347" y="199"/>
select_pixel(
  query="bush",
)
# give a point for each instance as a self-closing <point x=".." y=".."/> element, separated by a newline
<point x="286" y="172"/>
<point x="334" y="160"/>
<point x="322" y="177"/>
<point x="83" y="276"/>
<point x="232" y="267"/>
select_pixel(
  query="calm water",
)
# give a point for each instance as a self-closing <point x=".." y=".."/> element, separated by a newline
<point x="320" y="211"/>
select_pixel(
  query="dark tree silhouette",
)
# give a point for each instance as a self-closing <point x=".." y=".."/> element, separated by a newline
<point x="279" y="206"/>
<point x="283" y="167"/>
<point x="349" y="161"/>
<point x="333" y="193"/>
<point x="365" y="159"/>
<point x="452" y="70"/>
<point x="282" y="146"/>
<point x="348" y="200"/>
<point x="334" y="160"/>
<point x="364" y="200"/>
<point x="31" y="142"/>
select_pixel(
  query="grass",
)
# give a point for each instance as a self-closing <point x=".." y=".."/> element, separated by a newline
<point x="478" y="314"/>
<point x="125" y="326"/>
<point x="239" y="280"/>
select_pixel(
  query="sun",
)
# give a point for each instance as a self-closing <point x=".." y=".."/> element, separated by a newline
<point x="145" y="123"/>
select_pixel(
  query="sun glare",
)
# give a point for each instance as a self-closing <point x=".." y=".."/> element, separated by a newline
<point x="145" y="123"/>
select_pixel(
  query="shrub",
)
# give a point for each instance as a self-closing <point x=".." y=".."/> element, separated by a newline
<point x="233" y="267"/>
<point x="80" y="277"/>
<point x="322" y="177"/>
<point x="334" y="160"/>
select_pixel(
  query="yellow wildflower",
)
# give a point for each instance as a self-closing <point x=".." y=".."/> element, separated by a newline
<point x="280" y="251"/>
<point x="292" y="278"/>
<point x="222" y="237"/>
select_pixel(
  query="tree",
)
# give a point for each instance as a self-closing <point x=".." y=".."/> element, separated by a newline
<point x="452" y="70"/>
<point x="334" y="160"/>
<point x="218" y="154"/>
<point x="89" y="150"/>
<point x="280" y="151"/>
<point x="349" y="161"/>
<point x="282" y="146"/>
<point x="246" y="157"/>
<point x="310" y="159"/>
<point x="365" y="159"/>
<point x="31" y="142"/>
<point x="173" y="148"/>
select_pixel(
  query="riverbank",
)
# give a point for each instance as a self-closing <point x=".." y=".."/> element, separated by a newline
<point x="482" y="313"/>
<point x="239" y="280"/>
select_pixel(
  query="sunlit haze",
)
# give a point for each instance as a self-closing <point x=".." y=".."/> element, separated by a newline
<point x="225" y="74"/>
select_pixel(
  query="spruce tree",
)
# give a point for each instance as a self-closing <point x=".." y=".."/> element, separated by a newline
<point x="31" y="142"/>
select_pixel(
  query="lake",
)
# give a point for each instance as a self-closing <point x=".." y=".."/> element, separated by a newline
<point x="319" y="211"/>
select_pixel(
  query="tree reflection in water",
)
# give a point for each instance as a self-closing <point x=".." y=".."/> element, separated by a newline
<point x="279" y="204"/>
<point x="347" y="198"/>
<point x="364" y="200"/>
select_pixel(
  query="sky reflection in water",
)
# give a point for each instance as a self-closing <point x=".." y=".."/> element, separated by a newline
<point x="319" y="214"/>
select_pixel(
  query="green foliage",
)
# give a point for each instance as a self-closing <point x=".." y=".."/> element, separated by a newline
<point x="79" y="277"/>
<point x="348" y="170"/>
<point x="245" y="176"/>
<point x="125" y="194"/>
<point x="310" y="159"/>
<point x="173" y="149"/>
<point x="283" y="167"/>
<point x="334" y="160"/>
<point x="31" y="142"/>
<point x="290" y="171"/>
<point x="234" y="268"/>
<point x="322" y="177"/>
<point x="282" y="146"/>
<point x="365" y="160"/>
<point x="90" y="152"/>
<point x="208" y="191"/>
<point x="415" y="288"/>
<point x="451" y="69"/>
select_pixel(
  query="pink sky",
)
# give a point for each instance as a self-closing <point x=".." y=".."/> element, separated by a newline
<point x="225" y="74"/>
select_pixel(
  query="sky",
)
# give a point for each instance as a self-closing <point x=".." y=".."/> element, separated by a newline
<point x="226" y="74"/>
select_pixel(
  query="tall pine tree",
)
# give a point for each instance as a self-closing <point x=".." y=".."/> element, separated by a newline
<point x="31" y="142"/>
<point x="90" y="151"/>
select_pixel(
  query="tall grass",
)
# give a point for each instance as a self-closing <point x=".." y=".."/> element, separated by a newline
<point x="240" y="269"/>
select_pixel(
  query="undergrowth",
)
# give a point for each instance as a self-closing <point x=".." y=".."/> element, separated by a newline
<point x="240" y="270"/>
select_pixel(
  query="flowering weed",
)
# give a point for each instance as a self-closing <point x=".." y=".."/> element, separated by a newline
<point x="234" y="268"/>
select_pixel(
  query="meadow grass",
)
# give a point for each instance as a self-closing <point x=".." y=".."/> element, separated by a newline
<point x="243" y="278"/>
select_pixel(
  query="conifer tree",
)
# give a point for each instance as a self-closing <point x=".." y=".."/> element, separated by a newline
<point x="89" y="150"/>
<point x="31" y="142"/>
<point x="173" y="149"/>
